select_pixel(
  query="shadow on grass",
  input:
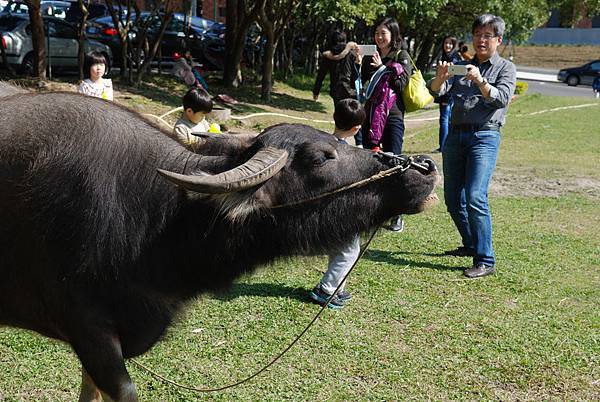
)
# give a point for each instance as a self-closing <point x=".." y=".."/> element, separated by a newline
<point x="262" y="290"/>
<point x="391" y="257"/>
<point x="162" y="88"/>
<point x="251" y="94"/>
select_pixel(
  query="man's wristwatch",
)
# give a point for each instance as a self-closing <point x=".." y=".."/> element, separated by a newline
<point x="482" y="83"/>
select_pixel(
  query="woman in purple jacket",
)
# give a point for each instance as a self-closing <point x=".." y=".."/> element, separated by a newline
<point x="391" y="52"/>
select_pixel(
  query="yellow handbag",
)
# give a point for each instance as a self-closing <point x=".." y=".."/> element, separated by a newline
<point x="416" y="95"/>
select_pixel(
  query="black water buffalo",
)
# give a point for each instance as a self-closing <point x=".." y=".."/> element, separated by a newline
<point x="108" y="225"/>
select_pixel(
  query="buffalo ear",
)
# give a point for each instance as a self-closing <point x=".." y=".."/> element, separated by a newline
<point x="211" y="144"/>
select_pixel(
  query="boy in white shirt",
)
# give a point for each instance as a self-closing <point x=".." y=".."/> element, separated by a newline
<point x="197" y="103"/>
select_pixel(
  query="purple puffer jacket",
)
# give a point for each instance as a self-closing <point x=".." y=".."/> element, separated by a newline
<point x="379" y="104"/>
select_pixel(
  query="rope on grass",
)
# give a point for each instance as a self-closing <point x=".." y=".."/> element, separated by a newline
<point x="277" y="357"/>
<point x="161" y="118"/>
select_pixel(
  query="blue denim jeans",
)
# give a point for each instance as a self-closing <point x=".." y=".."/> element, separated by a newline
<point x="393" y="135"/>
<point x="469" y="159"/>
<point x="445" y="114"/>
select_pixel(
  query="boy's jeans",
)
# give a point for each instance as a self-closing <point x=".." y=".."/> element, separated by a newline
<point x="469" y="159"/>
<point x="340" y="263"/>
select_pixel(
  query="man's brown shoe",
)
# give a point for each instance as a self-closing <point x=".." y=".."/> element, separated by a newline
<point x="479" y="270"/>
<point x="461" y="251"/>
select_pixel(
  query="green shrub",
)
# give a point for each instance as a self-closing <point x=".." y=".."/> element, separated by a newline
<point x="521" y="88"/>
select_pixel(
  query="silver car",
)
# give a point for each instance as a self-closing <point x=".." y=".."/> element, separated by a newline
<point x="61" y="43"/>
<point x="54" y="8"/>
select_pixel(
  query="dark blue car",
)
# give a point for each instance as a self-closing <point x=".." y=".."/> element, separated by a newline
<point x="181" y="33"/>
<point x="584" y="75"/>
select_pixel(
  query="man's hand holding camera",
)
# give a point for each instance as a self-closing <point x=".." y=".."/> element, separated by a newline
<point x="445" y="70"/>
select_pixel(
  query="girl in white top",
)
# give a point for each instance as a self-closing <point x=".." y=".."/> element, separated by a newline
<point x="96" y="85"/>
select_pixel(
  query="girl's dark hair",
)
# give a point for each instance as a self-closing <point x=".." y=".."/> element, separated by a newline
<point x="391" y="25"/>
<point x="93" y="58"/>
<point x="198" y="100"/>
<point x="348" y="113"/>
<point x="452" y="39"/>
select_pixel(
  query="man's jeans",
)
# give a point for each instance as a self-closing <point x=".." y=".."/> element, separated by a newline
<point x="469" y="161"/>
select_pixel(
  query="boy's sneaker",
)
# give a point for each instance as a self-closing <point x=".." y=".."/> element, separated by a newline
<point x="344" y="295"/>
<point x="337" y="302"/>
<point x="397" y="224"/>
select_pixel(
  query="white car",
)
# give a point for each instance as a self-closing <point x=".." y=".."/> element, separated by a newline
<point x="61" y="43"/>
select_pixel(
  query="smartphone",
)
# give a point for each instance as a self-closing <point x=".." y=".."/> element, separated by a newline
<point x="457" y="70"/>
<point x="367" y="50"/>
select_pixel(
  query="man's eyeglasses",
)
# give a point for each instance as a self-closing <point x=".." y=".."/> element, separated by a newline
<point x="484" y="36"/>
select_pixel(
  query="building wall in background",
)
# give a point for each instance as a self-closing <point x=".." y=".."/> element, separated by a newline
<point x="565" y="36"/>
<point x="208" y="10"/>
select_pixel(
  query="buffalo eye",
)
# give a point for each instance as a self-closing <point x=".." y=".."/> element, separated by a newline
<point x="324" y="156"/>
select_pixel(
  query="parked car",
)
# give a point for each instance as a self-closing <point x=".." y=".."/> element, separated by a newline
<point x="61" y="43"/>
<point x="53" y="8"/>
<point x="103" y="30"/>
<point x="580" y="75"/>
<point x="180" y="33"/>
<point x="95" y="10"/>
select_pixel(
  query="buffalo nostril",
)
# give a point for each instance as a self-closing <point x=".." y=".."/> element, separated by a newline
<point x="431" y="164"/>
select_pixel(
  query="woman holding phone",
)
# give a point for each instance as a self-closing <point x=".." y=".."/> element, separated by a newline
<point x="393" y="62"/>
<point x="450" y="55"/>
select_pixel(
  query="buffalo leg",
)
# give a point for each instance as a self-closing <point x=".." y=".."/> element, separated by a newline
<point x="89" y="391"/>
<point x="103" y="362"/>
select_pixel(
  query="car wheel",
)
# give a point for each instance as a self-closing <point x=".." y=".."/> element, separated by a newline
<point x="27" y="64"/>
<point x="572" y="80"/>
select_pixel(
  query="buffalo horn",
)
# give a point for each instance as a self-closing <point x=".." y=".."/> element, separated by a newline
<point x="258" y="169"/>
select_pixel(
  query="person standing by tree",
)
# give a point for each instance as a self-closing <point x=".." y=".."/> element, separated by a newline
<point x="481" y="98"/>
<point x="386" y="105"/>
<point x="331" y="60"/>
<point x="449" y="55"/>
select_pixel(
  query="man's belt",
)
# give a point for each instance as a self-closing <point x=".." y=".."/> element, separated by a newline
<point x="476" y="127"/>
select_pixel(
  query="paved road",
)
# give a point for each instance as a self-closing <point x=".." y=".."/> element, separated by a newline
<point x="559" y="89"/>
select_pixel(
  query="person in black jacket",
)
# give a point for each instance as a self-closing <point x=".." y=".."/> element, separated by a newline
<point x="335" y="62"/>
<point x="391" y="47"/>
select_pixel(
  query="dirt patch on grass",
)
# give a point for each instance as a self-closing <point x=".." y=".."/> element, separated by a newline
<point x="551" y="56"/>
<point x="514" y="184"/>
<point x="554" y="56"/>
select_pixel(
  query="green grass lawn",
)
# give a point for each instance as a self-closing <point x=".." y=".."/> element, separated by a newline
<point x="416" y="328"/>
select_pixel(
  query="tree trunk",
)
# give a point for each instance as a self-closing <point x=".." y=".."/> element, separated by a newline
<point x="81" y="33"/>
<point x="238" y="22"/>
<point x="267" y="74"/>
<point x="289" y="69"/>
<point x="153" y="49"/>
<point x="38" y="39"/>
<point x="422" y="58"/>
